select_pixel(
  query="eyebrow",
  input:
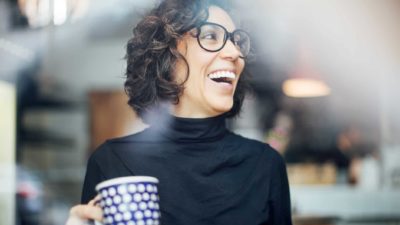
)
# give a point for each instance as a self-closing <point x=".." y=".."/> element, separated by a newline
<point x="234" y="28"/>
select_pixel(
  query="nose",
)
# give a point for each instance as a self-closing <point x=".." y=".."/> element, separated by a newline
<point x="230" y="50"/>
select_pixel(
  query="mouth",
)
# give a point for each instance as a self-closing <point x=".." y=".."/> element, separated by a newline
<point x="222" y="76"/>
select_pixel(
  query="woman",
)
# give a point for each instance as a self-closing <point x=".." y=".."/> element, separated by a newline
<point x="184" y="77"/>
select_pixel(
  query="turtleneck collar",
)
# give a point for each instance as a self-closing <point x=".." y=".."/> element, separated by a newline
<point x="191" y="130"/>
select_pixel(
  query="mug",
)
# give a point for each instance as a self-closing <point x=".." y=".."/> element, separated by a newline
<point x="131" y="200"/>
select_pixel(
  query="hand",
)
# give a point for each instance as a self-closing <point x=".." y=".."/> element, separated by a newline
<point x="79" y="214"/>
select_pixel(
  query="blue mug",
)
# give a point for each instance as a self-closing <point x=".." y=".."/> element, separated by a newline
<point x="130" y="200"/>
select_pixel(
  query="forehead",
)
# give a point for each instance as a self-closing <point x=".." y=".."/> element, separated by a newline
<point x="220" y="16"/>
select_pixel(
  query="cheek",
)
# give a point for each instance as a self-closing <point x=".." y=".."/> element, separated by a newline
<point x="180" y="71"/>
<point x="241" y="64"/>
<point x="199" y="59"/>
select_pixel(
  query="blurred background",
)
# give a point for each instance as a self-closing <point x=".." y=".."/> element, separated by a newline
<point x="325" y="94"/>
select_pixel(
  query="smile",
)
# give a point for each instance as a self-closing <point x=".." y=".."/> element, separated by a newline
<point x="222" y="76"/>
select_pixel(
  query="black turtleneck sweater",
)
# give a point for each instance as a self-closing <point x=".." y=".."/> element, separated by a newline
<point x="208" y="175"/>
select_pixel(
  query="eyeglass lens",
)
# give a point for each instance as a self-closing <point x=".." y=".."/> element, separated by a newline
<point x="213" y="37"/>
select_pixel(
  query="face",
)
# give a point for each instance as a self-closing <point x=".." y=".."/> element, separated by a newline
<point x="205" y="94"/>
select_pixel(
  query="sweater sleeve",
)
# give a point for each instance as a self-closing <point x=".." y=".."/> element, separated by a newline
<point x="280" y="195"/>
<point x="92" y="178"/>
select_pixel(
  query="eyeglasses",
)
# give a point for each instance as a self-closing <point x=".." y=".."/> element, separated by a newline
<point x="212" y="37"/>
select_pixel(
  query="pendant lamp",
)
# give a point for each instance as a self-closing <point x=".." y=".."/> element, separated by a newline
<point x="304" y="81"/>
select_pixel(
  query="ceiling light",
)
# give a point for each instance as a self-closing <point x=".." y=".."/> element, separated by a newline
<point x="305" y="81"/>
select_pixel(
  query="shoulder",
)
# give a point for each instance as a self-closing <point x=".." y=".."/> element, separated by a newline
<point x="121" y="147"/>
<point x="112" y="158"/>
<point x="261" y="154"/>
<point x="267" y="157"/>
<point x="141" y="136"/>
<point x="254" y="146"/>
<point x="107" y="148"/>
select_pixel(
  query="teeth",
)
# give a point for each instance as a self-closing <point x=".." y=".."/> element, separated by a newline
<point x="222" y="74"/>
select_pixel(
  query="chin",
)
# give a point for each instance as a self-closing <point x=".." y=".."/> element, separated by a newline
<point x="222" y="106"/>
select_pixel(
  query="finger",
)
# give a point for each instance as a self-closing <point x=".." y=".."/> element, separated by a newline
<point x="87" y="212"/>
<point x="91" y="202"/>
<point x="95" y="201"/>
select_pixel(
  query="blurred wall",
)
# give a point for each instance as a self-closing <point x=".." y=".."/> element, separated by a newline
<point x="7" y="153"/>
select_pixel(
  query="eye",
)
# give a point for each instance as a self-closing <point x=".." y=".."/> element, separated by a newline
<point x="239" y="42"/>
<point x="210" y="35"/>
<point x="241" y="39"/>
<point x="238" y="39"/>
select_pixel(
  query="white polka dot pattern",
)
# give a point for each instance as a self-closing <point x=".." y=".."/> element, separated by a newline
<point x="141" y="188"/>
<point x="147" y="213"/>
<point x="122" y="189"/>
<point x="117" y="199"/>
<point x="127" y="198"/>
<point x="122" y="208"/>
<point x="130" y="204"/>
<point x="138" y="215"/>
<point x="112" y="191"/>
<point x="113" y="210"/>
<point x="146" y="196"/>
<point x="108" y="201"/>
<point x="133" y="206"/>
<point x="132" y="188"/>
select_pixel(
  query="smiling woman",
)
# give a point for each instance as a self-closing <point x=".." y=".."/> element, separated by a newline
<point x="189" y="55"/>
<point x="181" y="37"/>
<point x="204" y="95"/>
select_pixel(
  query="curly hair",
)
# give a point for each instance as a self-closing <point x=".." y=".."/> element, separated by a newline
<point x="152" y="55"/>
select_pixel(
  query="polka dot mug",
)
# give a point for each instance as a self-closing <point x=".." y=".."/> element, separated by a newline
<point x="130" y="201"/>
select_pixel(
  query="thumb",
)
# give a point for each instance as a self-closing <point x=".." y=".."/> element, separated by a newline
<point x="84" y="212"/>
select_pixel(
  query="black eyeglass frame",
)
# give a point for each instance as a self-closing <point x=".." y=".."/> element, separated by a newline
<point x="227" y="35"/>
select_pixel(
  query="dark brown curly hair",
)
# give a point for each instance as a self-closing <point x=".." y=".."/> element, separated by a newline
<point x="152" y="55"/>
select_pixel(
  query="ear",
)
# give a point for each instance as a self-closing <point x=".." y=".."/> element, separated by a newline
<point x="182" y="45"/>
<point x="181" y="68"/>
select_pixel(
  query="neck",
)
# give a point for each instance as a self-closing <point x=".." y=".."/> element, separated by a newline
<point x="189" y="129"/>
<point x="192" y="112"/>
